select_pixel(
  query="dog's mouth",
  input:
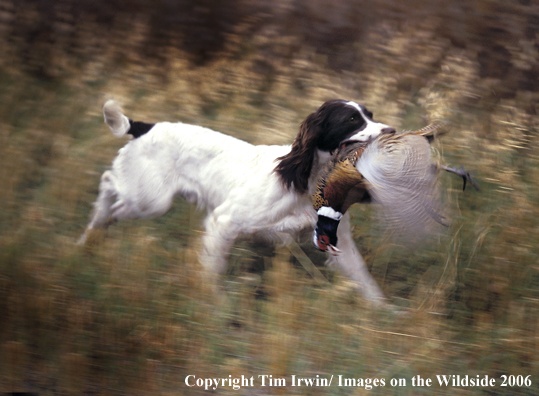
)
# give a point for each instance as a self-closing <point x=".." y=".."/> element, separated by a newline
<point x="347" y="143"/>
<point x="352" y="142"/>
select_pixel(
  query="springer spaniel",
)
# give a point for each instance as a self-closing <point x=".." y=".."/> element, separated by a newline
<point x="245" y="188"/>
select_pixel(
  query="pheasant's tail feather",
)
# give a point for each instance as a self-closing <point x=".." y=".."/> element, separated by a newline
<point x="430" y="132"/>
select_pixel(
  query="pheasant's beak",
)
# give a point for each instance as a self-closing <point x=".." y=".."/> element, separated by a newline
<point x="333" y="250"/>
<point x="323" y="244"/>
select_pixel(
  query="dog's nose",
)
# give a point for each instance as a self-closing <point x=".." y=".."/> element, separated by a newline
<point x="388" y="130"/>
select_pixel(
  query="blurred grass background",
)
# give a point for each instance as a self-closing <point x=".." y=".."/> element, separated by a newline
<point x="128" y="315"/>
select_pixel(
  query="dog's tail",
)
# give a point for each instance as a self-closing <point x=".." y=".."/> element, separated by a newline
<point x="120" y="124"/>
<point x="114" y="118"/>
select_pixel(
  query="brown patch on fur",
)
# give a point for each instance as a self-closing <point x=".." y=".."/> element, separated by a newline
<point x="295" y="167"/>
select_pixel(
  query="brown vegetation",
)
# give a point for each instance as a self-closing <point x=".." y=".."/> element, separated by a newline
<point x="127" y="314"/>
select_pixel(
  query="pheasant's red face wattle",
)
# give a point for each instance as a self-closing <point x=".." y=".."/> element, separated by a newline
<point x="323" y="242"/>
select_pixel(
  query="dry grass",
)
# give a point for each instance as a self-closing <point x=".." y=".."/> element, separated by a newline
<point x="128" y="314"/>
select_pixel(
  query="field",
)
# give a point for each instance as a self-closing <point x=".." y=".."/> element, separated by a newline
<point x="128" y="315"/>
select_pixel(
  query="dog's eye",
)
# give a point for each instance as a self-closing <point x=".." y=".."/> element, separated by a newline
<point x="353" y="119"/>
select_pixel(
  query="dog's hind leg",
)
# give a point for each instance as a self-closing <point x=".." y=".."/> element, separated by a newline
<point x="101" y="215"/>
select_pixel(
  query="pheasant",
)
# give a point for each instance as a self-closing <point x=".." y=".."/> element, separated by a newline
<point x="394" y="170"/>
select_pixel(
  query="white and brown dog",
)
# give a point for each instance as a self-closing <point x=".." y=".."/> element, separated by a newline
<point x="245" y="188"/>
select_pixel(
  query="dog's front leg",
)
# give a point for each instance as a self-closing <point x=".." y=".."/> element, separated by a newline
<point x="352" y="264"/>
<point x="216" y="244"/>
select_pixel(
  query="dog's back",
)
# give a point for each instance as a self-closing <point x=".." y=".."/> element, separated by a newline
<point x="205" y="167"/>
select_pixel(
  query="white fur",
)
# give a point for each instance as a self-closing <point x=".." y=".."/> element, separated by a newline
<point x="234" y="180"/>
<point x="118" y="123"/>
<point x="371" y="130"/>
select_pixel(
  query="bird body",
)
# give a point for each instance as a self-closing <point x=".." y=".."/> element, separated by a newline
<point x="394" y="170"/>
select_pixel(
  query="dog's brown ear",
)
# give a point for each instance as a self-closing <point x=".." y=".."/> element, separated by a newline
<point x="295" y="167"/>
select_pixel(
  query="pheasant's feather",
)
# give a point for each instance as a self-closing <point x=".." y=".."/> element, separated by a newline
<point x="400" y="175"/>
<point x="395" y="170"/>
<point x="338" y="179"/>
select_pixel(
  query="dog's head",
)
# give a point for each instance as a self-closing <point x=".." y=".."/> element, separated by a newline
<point x="335" y="124"/>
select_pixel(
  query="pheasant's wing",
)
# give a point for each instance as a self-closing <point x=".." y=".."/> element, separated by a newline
<point x="400" y="177"/>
